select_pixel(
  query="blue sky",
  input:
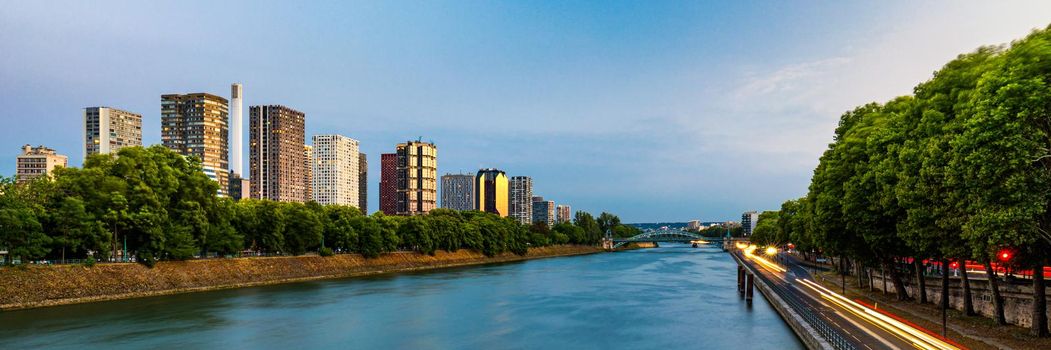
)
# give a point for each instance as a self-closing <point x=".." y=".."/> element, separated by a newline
<point x="656" y="111"/>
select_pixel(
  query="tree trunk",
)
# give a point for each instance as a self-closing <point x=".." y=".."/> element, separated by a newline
<point x="1039" y="328"/>
<point x="968" y="304"/>
<point x="998" y="302"/>
<point x="868" y="273"/>
<point x="921" y="282"/>
<point x="895" y="278"/>
<point x="945" y="292"/>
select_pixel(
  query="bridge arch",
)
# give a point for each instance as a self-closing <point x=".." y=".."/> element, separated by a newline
<point x="662" y="236"/>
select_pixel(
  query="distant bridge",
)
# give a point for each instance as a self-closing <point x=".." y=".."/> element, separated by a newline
<point x="661" y="236"/>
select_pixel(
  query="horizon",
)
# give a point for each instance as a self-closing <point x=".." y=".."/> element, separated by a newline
<point x="656" y="112"/>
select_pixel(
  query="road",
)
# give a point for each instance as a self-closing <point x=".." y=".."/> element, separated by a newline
<point x="859" y="325"/>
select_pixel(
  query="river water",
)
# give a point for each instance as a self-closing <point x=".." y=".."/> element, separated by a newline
<point x="665" y="298"/>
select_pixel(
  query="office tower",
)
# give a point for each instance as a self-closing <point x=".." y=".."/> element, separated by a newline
<point x="236" y="130"/>
<point x="389" y="183"/>
<point x="37" y="161"/>
<point x="363" y="183"/>
<point x="417" y="177"/>
<point x="336" y="173"/>
<point x="521" y="205"/>
<point x="564" y="214"/>
<point x="277" y="153"/>
<point x="107" y="130"/>
<point x="748" y="221"/>
<point x="196" y="125"/>
<point x="458" y="191"/>
<point x="490" y="191"/>
<point x="543" y="211"/>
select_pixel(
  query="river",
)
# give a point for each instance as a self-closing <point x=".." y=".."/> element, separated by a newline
<point x="672" y="297"/>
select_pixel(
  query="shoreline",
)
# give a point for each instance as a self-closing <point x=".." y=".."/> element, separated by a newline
<point x="107" y="282"/>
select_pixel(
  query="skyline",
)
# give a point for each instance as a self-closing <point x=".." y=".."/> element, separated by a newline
<point x="657" y="112"/>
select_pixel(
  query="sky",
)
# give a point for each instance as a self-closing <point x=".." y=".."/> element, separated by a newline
<point x="652" y="110"/>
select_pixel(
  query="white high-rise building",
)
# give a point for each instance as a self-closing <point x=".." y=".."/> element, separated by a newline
<point x="236" y="129"/>
<point x="336" y="172"/>
<point x="107" y="130"/>
<point x="521" y="204"/>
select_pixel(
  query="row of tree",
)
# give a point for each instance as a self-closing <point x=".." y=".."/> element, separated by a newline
<point x="960" y="170"/>
<point x="158" y="205"/>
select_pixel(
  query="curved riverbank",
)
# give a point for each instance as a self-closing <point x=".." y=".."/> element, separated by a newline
<point x="40" y="286"/>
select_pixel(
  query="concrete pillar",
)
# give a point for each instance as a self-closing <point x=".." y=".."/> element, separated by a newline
<point x="740" y="280"/>
<point x="748" y="288"/>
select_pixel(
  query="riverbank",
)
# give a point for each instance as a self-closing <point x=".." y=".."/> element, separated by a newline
<point x="41" y="286"/>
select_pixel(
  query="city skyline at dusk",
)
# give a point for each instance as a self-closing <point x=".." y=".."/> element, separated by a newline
<point x="594" y="102"/>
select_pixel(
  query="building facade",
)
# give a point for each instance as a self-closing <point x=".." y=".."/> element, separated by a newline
<point x="564" y="214"/>
<point x="748" y="221"/>
<point x="543" y="211"/>
<point x="37" y="161"/>
<point x="308" y="172"/>
<point x="417" y="177"/>
<point x="336" y="171"/>
<point x="491" y="192"/>
<point x="107" y="130"/>
<point x="520" y="202"/>
<point x="389" y="183"/>
<point x="458" y="192"/>
<point x="196" y="125"/>
<point x="277" y="153"/>
<point x="363" y="183"/>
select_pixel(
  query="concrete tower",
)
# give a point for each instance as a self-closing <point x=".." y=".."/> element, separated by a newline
<point x="236" y="129"/>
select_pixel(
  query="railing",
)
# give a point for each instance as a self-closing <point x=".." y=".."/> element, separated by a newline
<point x="830" y="333"/>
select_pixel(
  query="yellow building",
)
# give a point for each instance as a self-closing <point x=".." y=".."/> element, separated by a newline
<point x="491" y="191"/>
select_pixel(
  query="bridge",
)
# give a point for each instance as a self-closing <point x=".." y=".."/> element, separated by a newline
<point x="661" y="236"/>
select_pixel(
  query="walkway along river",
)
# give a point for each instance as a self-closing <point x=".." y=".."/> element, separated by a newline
<point x="665" y="298"/>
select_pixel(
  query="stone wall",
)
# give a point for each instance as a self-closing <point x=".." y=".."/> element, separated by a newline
<point x="39" y="285"/>
<point x="1018" y="300"/>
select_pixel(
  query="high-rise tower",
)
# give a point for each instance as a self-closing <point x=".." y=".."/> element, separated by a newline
<point x="490" y="191"/>
<point x="417" y="177"/>
<point x="278" y="154"/>
<point x="236" y="129"/>
<point x="197" y="125"/>
<point x="107" y="130"/>
<point x="521" y="205"/>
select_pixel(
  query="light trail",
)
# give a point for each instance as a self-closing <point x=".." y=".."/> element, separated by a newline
<point x="916" y="337"/>
<point x="762" y="261"/>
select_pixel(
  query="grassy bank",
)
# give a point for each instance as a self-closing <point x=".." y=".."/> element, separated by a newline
<point x="39" y="286"/>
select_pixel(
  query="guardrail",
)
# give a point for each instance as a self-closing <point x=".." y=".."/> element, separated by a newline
<point x="828" y="332"/>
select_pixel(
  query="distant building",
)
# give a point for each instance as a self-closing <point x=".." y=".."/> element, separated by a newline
<point x="363" y="183"/>
<point x="417" y="177"/>
<point x="458" y="191"/>
<point x="564" y="214"/>
<point x="278" y="153"/>
<point x="196" y="125"/>
<point x="239" y="188"/>
<point x="389" y="183"/>
<point x="37" y="161"/>
<point x="693" y="225"/>
<point x="748" y="221"/>
<point x="107" y="130"/>
<point x="521" y="201"/>
<point x="336" y="172"/>
<point x="490" y="191"/>
<point x="308" y="173"/>
<point x="543" y="211"/>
